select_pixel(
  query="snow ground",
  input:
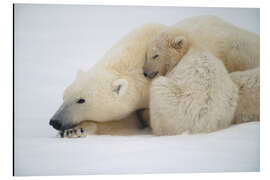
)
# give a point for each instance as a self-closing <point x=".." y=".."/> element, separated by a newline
<point x="236" y="149"/>
<point x="53" y="42"/>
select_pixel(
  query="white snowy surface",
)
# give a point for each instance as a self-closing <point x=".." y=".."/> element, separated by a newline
<point x="53" y="42"/>
<point x="235" y="149"/>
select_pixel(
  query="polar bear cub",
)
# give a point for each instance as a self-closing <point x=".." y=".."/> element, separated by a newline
<point x="195" y="95"/>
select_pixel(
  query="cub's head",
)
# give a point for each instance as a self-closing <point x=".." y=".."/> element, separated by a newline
<point x="164" y="52"/>
<point x="95" y="95"/>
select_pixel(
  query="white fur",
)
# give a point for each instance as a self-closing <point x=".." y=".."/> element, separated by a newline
<point x="237" y="48"/>
<point x="115" y="87"/>
<point x="199" y="95"/>
<point x="248" y="106"/>
<point x="125" y="61"/>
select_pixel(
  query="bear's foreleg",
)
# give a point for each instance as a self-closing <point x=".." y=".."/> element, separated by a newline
<point x="127" y="126"/>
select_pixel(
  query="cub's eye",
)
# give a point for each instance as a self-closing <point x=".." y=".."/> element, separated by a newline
<point x="80" y="101"/>
<point x="155" y="56"/>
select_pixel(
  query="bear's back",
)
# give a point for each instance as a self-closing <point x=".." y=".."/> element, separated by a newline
<point x="237" y="48"/>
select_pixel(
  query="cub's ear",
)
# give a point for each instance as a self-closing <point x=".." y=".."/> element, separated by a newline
<point x="179" y="42"/>
<point x="120" y="87"/>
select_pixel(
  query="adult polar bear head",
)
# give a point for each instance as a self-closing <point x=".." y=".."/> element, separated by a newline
<point x="113" y="88"/>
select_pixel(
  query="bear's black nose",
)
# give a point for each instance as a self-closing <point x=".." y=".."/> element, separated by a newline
<point x="55" y="124"/>
<point x="145" y="74"/>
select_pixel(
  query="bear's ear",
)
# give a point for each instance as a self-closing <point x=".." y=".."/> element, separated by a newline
<point x="179" y="42"/>
<point x="120" y="87"/>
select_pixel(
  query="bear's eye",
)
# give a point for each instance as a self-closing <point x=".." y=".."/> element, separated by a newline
<point x="80" y="101"/>
<point x="155" y="56"/>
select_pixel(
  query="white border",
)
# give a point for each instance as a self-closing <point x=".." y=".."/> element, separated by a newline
<point x="6" y="85"/>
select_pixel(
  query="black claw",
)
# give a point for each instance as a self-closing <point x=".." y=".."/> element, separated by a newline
<point x="81" y="130"/>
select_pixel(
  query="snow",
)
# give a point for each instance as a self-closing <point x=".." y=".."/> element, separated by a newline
<point x="52" y="42"/>
<point x="235" y="149"/>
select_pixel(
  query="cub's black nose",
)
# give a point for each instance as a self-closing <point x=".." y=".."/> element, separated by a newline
<point x="55" y="124"/>
<point x="145" y="74"/>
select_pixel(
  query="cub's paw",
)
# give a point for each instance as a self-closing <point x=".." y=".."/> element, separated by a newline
<point x="79" y="131"/>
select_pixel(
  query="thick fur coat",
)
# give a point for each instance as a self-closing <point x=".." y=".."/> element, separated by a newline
<point x="103" y="99"/>
<point x="194" y="59"/>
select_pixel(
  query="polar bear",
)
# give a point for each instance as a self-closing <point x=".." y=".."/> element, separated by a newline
<point x="104" y="98"/>
<point x="112" y="90"/>
<point x="197" y="96"/>
<point x="174" y="45"/>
